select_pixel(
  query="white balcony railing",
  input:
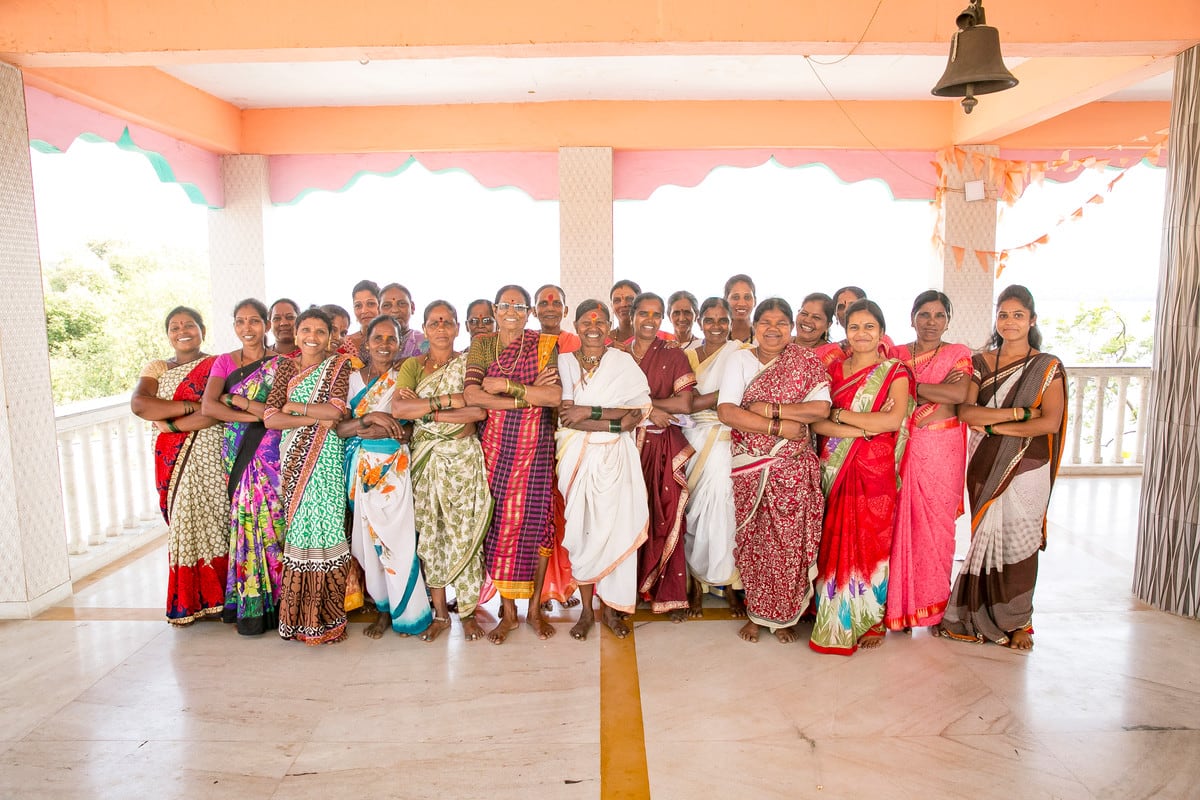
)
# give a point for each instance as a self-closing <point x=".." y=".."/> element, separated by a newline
<point x="107" y="471"/>
<point x="1106" y="419"/>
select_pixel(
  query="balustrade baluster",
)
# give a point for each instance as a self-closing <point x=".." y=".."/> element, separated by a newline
<point x="1118" y="456"/>
<point x="145" y="443"/>
<point x="1076" y="416"/>
<point x="76" y="540"/>
<point x="1098" y="424"/>
<point x="128" y="469"/>
<point x="95" y="531"/>
<point x="107" y="430"/>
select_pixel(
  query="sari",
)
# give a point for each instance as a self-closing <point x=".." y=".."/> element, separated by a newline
<point x="600" y="477"/>
<point x="859" y="478"/>
<point x="708" y="544"/>
<point x="1009" y="480"/>
<point x="518" y="449"/>
<point x="776" y="489"/>
<point x="256" y="520"/>
<point x="383" y="536"/>
<point x="662" y="563"/>
<point x="930" y="499"/>
<point x="451" y="501"/>
<point x="189" y="477"/>
<point x="316" y="555"/>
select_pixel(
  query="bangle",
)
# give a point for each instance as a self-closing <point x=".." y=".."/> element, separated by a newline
<point x="1016" y="416"/>
<point x="597" y="412"/>
<point x="867" y="436"/>
<point x="171" y="426"/>
<point x="362" y="423"/>
<point x="774" y="427"/>
<point x="614" y="426"/>
<point x="519" y="403"/>
<point x="988" y="429"/>
<point x="837" y="416"/>
<point x="776" y="410"/>
<point x="428" y="417"/>
<point x="306" y="409"/>
<point x="227" y="400"/>
<point x="1028" y="414"/>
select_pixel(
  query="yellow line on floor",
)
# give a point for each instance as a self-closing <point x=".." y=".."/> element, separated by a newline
<point x="623" y="771"/>
<point x="118" y="565"/>
<point x="99" y="614"/>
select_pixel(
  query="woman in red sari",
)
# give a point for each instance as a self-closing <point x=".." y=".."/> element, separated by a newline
<point x="662" y="563"/>
<point x="188" y="470"/>
<point x="931" y="486"/>
<point x="769" y="395"/>
<point x="512" y="375"/>
<point x="865" y="437"/>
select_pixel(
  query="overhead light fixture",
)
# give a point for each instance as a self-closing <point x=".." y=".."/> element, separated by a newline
<point x="976" y="65"/>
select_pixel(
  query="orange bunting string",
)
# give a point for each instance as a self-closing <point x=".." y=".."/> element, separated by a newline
<point x="1096" y="199"/>
<point x="1077" y="213"/>
<point x="958" y="252"/>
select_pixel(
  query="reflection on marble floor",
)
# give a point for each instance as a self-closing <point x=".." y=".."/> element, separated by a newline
<point x="1107" y="705"/>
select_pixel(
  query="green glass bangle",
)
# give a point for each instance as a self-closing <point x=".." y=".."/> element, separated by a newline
<point x="597" y="412"/>
<point x="988" y="429"/>
<point x="614" y="426"/>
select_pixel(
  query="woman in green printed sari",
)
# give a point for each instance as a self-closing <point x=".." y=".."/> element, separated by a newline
<point x="450" y="490"/>
<point x="306" y="402"/>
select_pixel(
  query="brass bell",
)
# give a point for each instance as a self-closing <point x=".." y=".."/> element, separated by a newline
<point x="976" y="65"/>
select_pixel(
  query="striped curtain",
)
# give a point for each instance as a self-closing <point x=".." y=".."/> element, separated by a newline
<point x="1167" y="569"/>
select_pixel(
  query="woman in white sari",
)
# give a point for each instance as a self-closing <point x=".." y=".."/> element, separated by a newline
<point x="384" y="538"/>
<point x="605" y="396"/>
<point x="710" y="523"/>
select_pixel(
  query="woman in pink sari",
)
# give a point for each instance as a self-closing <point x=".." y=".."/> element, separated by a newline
<point x="865" y="437"/>
<point x="931" y="487"/>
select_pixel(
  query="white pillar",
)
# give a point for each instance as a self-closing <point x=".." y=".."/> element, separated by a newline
<point x="34" y="570"/>
<point x="236" y="251"/>
<point x="972" y="226"/>
<point x="1166" y="573"/>
<point x="585" y="222"/>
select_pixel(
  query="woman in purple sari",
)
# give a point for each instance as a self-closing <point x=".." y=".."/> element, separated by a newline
<point x="236" y="393"/>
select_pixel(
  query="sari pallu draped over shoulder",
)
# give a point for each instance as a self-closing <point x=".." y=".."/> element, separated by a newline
<point x="777" y="497"/>
<point x="518" y="449"/>
<point x="1009" y="480"/>
<point x="662" y="563"/>
<point x="190" y="478"/>
<point x="859" y="478"/>
<point x="600" y="477"/>
<point x="451" y="499"/>
<point x="316" y="555"/>
<point x="257" y="522"/>
<point x="708" y="545"/>
<point x="383" y="534"/>
<point x="930" y="499"/>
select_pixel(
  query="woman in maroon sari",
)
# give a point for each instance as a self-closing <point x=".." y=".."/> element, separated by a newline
<point x="865" y="437"/>
<point x="188" y="471"/>
<point x="770" y="393"/>
<point x="513" y="375"/>
<point x="662" y="564"/>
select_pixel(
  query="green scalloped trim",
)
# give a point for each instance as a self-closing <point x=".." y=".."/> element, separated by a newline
<point x="353" y="179"/>
<point x="162" y="168"/>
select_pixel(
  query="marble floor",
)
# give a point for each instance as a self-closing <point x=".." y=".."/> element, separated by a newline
<point x="101" y="698"/>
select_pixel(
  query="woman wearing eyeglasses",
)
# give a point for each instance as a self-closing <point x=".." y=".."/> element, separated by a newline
<point x="480" y="318"/>
<point x="512" y="375"/>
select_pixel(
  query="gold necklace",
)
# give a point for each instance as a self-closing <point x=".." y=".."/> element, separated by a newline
<point x="509" y="369"/>
<point x="436" y="365"/>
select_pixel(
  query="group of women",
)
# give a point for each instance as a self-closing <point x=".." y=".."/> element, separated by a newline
<point x="796" y="476"/>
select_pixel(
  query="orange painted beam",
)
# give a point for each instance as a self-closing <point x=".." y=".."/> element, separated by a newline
<point x="150" y="97"/>
<point x="634" y="125"/>
<point x="134" y="32"/>
<point x="1049" y="87"/>
<point x="1095" y="125"/>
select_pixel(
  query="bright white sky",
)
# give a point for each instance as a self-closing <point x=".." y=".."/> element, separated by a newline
<point x="793" y="230"/>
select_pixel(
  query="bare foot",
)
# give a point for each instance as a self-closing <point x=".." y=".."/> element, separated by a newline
<point x="581" y="628"/>
<point x="679" y="615"/>
<point x="737" y="609"/>
<point x="435" y="629"/>
<point x="548" y="606"/>
<point x="748" y="632"/>
<point x="615" y="622"/>
<point x="1020" y="639"/>
<point x="471" y="629"/>
<point x="503" y="628"/>
<point x="382" y="623"/>
<point x="786" y="635"/>
<point x="534" y="619"/>
<point x="695" y="600"/>
<point x="870" y="640"/>
<point x="570" y="602"/>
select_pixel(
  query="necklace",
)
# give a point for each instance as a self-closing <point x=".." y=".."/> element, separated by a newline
<point x="918" y="372"/>
<point x="633" y="352"/>
<point x="509" y="369"/>
<point x="594" y="361"/>
<point x="439" y="365"/>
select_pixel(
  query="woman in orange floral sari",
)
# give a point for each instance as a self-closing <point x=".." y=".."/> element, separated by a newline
<point x="383" y="536"/>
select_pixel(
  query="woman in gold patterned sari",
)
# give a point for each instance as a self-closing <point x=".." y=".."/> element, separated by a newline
<point x="450" y="489"/>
